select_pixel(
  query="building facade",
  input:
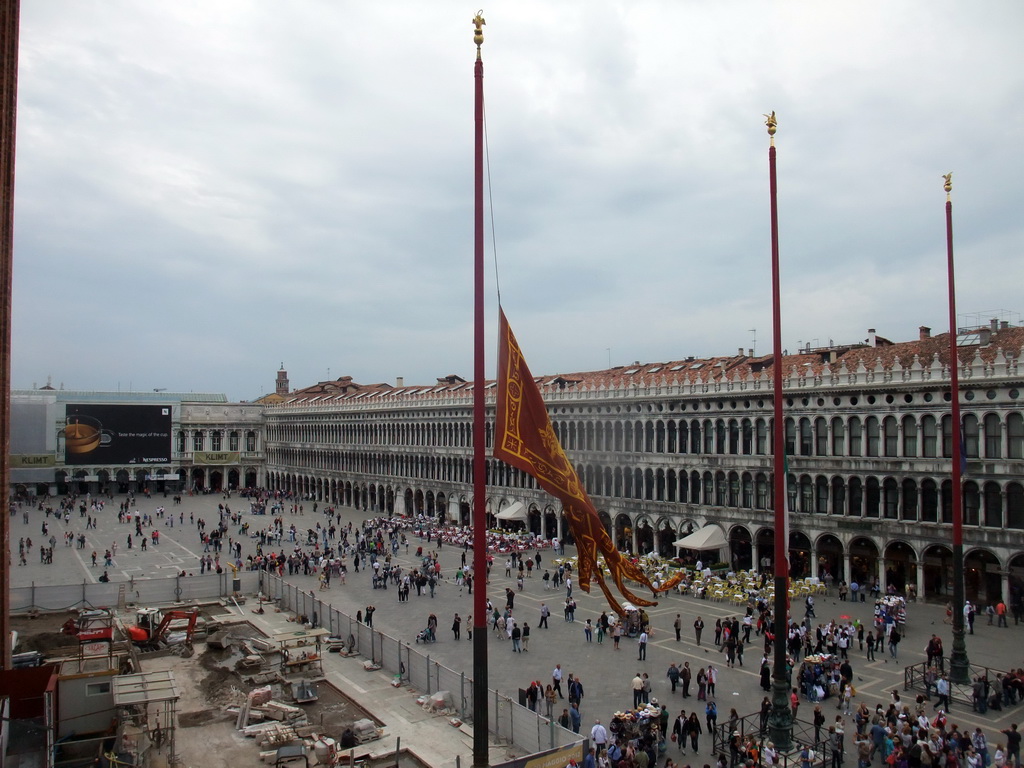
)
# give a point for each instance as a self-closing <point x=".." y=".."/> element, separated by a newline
<point x="65" y="441"/>
<point x="667" y="448"/>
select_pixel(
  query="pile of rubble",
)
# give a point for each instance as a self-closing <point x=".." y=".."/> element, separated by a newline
<point x="282" y="730"/>
<point x="260" y="707"/>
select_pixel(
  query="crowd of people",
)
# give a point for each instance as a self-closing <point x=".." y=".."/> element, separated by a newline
<point x="278" y="535"/>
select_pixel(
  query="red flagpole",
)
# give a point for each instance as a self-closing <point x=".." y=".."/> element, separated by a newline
<point x="780" y="722"/>
<point x="10" y="11"/>
<point x="480" y="714"/>
<point x="959" y="665"/>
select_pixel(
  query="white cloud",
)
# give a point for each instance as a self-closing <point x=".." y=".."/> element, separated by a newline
<point x="267" y="183"/>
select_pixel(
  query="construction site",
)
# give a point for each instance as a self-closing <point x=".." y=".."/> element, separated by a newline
<point x="195" y="685"/>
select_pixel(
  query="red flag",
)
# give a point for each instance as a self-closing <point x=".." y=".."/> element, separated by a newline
<point x="525" y="439"/>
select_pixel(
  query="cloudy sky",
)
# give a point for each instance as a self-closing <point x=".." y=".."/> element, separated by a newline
<point x="207" y="190"/>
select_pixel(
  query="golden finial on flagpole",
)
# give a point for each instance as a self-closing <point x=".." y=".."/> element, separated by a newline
<point x="478" y="36"/>
<point x="948" y="186"/>
<point x="772" y="124"/>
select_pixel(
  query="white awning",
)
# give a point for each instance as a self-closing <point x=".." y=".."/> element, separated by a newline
<point x="708" y="537"/>
<point x="514" y="511"/>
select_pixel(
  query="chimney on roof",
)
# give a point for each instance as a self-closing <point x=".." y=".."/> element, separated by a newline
<point x="400" y="381"/>
<point x="994" y="324"/>
<point x="740" y="352"/>
<point x="750" y="352"/>
<point x="984" y="336"/>
<point x="924" y="332"/>
<point x="871" y="338"/>
<point x="1004" y="325"/>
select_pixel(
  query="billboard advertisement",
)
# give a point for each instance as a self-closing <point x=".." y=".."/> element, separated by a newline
<point x="117" y="434"/>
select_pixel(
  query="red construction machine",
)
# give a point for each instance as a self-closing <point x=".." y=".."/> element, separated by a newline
<point x="154" y="628"/>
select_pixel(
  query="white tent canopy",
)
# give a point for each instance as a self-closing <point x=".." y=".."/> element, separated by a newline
<point x="514" y="511"/>
<point x="708" y="537"/>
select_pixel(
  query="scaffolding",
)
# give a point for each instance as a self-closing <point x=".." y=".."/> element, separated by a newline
<point x="147" y="709"/>
<point x="301" y="650"/>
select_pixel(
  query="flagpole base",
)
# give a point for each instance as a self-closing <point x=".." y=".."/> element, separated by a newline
<point x="780" y="719"/>
<point x="959" y="664"/>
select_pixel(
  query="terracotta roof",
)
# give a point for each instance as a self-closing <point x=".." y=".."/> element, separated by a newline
<point x="984" y="343"/>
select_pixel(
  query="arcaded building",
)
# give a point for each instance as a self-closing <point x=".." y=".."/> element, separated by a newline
<point x="85" y="442"/>
<point x="666" y="448"/>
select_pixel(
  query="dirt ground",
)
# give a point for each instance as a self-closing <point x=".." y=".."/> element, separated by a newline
<point x="209" y="684"/>
<point x="42" y="633"/>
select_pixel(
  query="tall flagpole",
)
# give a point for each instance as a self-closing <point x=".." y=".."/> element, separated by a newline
<point x="780" y="721"/>
<point x="959" y="666"/>
<point x="480" y="715"/>
<point x="10" y="11"/>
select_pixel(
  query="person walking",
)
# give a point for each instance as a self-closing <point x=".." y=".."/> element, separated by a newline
<point x="679" y="731"/>
<point x="556" y="680"/>
<point x="599" y="737"/>
<point x="695" y="731"/>
<point x="533" y="693"/>
<point x="642" y="645"/>
<point x="457" y="627"/>
<point x="835" y="744"/>
<point x="698" y="627"/>
<point x="942" y="691"/>
<point x="932" y="650"/>
<point x="637" y="685"/>
<point x="525" y="636"/>
<point x="894" y="642"/>
<point x="1012" y="745"/>
<point x="686" y="675"/>
<point x="673" y="675"/>
<point x="677" y="625"/>
<point x="544" y="613"/>
<point x="575" y="690"/>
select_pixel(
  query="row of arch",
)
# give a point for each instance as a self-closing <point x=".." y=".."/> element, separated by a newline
<point x="992" y="504"/>
<point x="989" y="435"/>
<point x="895" y="561"/>
<point x="154" y="479"/>
<point x="992" y="435"/>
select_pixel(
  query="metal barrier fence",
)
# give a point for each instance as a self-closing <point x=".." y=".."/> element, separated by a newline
<point x="750" y="726"/>
<point x="508" y="720"/>
<point x="65" y="597"/>
<point x="963" y="694"/>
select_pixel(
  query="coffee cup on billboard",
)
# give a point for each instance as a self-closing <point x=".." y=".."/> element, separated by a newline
<point x="84" y="434"/>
